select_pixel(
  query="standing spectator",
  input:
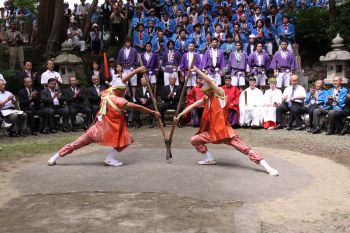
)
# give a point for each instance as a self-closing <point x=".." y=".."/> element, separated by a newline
<point x="143" y="97"/>
<point x="116" y="19"/>
<point x="127" y="58"/>
<point x="186" y="61"/>
<point x="232" y="100"/>
<point x="95" y="69"/>
<point x="181" y="43"/>
<point x="149" y="60"/>
<point x="272" y="98"/>
<point x="171" y="63"/>
<point x="81" y="13"/>
<point x="94" y="94"/>
<point x="250" y="101"/>
<point x="29" y="102"/>
<point x="270" y="36"/>
<point x="171" y="97"/>
<point x="238" y="65"/>
<point x="195" y="95"/>
<point x="259" y="62"/>
<point x="28" y="72"/>
<point x="15" y="41"/>
<point x="286" y="31"/>
<point x="67" y="12"/>
<point x="75" y="36"/>
<point x="96" y="40"/>
<point x="292" y="100"/>
<point x="75" y="98"/>
<point x="213" y="62"/>
<point x="50" y="73"/>
<point x="283" y="63"/>
<point x="10" y="113"/>
<point x="140" y="38"/>
<point x="54" y="103"/>
<point x="106" y="11"/>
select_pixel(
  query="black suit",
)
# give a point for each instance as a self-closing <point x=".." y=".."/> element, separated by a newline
<point x="76" y="105"/>
<point x="147" y="96"/>
<point x="94" y="98"/>
<point x="169" y="101"/>
<point x="31" y="106"/>
<point x="35" y="78"/>
<point x="51" y="109"/>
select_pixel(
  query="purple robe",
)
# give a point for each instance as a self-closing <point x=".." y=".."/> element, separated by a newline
<point x="254" y="63"/>
<point x="130" y="61"/>
<point x="185" y="62"/>
<point x="169" y="65"/>
<point x="235" y="65"/>
<point x="207" y="61"/>
<point x="150" y="65"/>
<point x="282" y="64"/>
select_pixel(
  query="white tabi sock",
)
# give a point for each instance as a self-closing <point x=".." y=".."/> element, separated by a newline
<point x="208" y="156"/>
<point x="53" y="159"/>
<point x="270" y="170"/>
<point x="111" y="159"/>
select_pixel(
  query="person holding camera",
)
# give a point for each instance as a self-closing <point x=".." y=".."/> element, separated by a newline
<point x="14" y="40"/>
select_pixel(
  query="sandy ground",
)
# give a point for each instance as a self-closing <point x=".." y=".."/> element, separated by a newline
<point x="311" y="195"/>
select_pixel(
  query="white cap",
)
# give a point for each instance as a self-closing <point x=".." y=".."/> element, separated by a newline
<point x="2" y="78"/>
<point x="252" y="36"/>
<point x="117" y="83"/>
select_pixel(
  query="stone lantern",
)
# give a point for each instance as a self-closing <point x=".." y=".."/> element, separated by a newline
<point x="336" y="60"/>
<point x="67" y="62"/>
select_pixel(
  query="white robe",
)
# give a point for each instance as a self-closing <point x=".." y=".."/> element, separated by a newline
<point x="250" y="113"/>
<point x="268" y="112"/>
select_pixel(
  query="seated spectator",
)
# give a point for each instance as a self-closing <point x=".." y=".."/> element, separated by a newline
<point x="259" y="32"/>
<point x="181" y="44"/>
<point x="96" y="40"/>
<point x="237" y="65"/>
<point x="270" y="36"/>
<point x="167" y="25"/>
<point x="95" y="69"/>
<point x="250" y="101"/>
<point x="286" y="31"/>
<point x="283" y="63"/>
<point x="314" y="99"/>
<point x="228" y="47"/>
<point x="75" y="36"/>
<point x="221" y="36"/>
<point x="54" y="103"/>
<point x="259" y="62"/>
<point x="186" y="61"/>
<point x="206" y="43"/>
<point x="171" y="97"/>
<point x="292" y="100"/>
<point x="334" y="105"/>
<point x="143" y="97"/>
<point x="158" y="40"/>
<point x="232" y="100"/>
<point x="50" y="73"/>
<point x="29" y="102"/>
<point x="186" y="24"/>
<point x="197" y="37"/>
<point x="151" y="30"/>
<point x="93" y="94"/>
<point x="275" y="17"/>
<point x="15" y="41"/>
<point x="153" y="17"/>
<point x="192" y="96"/>
<point x="75" y="98"/>
<point x="28" y="72"/>
<point x="272" y="98"/>
<point x="140" y="38"/>
<point x="10" y="112"/>
<point x="346" y="113"/>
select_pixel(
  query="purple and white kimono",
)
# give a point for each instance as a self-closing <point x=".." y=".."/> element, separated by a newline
<point x="284" y="63"/>
<point x="238" y="65"/>
<point x="171" y="63"/>
<point x="259" y="64"/>
<point x="127" y="58"/>
<point x="213" y="64"/>
<point x="150" y="61"/>
<point x="185" y="63"/>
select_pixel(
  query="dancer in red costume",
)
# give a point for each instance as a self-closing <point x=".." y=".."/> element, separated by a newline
<point x="215" y="127"/>
<point x="110" y="128"/>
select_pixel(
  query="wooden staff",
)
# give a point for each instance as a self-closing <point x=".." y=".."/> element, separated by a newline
<point x="181" y="99"/>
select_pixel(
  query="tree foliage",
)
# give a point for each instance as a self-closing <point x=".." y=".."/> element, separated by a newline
<point x="31" y="5"/>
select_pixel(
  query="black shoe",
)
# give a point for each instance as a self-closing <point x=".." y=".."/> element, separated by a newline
<point x="129" y="124"/>
<point x="309" y="130"/>
<point x="74" y="129"/>
<point x="137" y="126"/>
<point x="85" y="128"/>
<point x="13" y="134"/>
<point x="53" y="131"/>
<point x="65" y="130"/>
<point x="279" y="126"/>
<point x="330" y="133"/>
<point x="344" y="131"/>
<point x="288" y="127"/>
<point x="301" y="127"/>
<point x="255" y="127"/>
<point x="34" y="133"/>
<point x="179" y="125"/>
<point x="24" y="133"/>
<point x="316" y="130"/>
<point x="45" y="131"/>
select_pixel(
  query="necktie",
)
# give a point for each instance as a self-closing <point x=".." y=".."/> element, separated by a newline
<point x="291" y="96"/>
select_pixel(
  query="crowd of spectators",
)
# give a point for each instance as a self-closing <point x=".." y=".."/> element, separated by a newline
<point x="239" y="44"/>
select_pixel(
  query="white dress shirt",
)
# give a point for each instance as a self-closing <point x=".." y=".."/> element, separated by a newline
<point x="298" y="92"/>
<point x="48" y="75"/>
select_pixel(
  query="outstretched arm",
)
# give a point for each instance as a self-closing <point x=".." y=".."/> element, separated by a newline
<point x="140" y="108"/>
<point x="140" y="70"/>
<point x="189" y="109"/>
<point x="209" y="81"/>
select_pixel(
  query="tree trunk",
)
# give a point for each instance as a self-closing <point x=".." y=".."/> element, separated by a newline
<point x="54" y="41"/>
<point x="45" y="12"/>
<point x="87" y="26"/>
<point x="332" y="12"/>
